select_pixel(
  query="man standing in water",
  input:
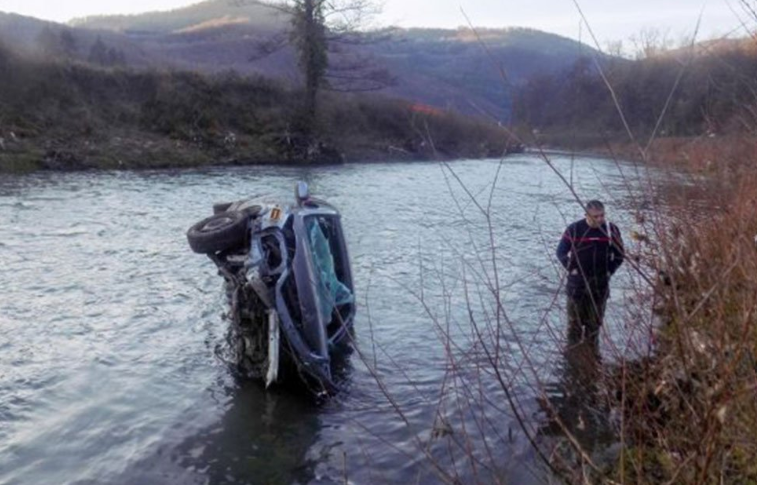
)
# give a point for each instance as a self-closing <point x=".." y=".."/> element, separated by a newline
<point x="591" y="250"/>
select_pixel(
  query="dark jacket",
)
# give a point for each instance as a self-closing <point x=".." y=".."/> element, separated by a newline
<point x="591" y="256"/>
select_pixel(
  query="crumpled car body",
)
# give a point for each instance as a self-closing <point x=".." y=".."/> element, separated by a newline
<point x="290" y="286"/>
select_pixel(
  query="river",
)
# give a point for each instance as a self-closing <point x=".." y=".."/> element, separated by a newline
<point x="110" y="324"/>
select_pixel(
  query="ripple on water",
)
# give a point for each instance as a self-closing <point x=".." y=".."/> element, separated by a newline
<point x="107" y="365"/>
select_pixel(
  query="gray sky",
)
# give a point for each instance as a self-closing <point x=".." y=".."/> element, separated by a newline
<point x="610" y="19"/>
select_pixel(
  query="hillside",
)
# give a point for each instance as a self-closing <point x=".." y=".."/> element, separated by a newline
<point x="212" y="13"/>
<point x="197" y="75"/>
<point x="48" y="40"/>
<point x="67" y="115"/>
<point x="440" y="67"/>
<point x="705" y="92"/>
<point x="468" y="76"/>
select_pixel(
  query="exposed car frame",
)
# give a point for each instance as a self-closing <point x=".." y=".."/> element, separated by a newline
<point x="289" y="282"/>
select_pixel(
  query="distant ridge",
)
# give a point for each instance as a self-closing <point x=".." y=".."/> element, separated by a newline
<point x="444" y="68"/>
<point x="251" y="13"/>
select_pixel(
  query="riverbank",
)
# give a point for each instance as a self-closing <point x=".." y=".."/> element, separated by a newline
<point x="686" y="412"/>
<point x="72" y="116"/>
<point x="135" y="151"/>
<point x="705" y="153"/>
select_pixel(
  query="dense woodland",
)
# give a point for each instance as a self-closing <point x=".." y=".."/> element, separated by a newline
<point x="708" y="92"/>
<point x="451" y="69"/>
<point x="69" y="114"/>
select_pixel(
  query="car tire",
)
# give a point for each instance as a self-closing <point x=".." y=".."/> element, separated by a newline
<point x="253" y="210"/>
<point x="219" y="232"/>
<point x="221" y="207"/>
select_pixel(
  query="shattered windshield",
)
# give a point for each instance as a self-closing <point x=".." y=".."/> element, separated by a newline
<point x="331" y="291"/>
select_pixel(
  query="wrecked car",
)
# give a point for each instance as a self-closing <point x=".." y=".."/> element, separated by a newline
<point x="289" y="284"/>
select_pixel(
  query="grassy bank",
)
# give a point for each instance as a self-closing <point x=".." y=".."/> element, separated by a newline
<point x="691" y="409"/>
<point x="68" y="116"/>
<point x="687" y="411"/>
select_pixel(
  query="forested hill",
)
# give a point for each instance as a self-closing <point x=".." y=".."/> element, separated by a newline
<point x="213" y="13"/>
<point x="66" y="115"/>
<point x="707" y="91"/>
<point x="448" y="69"/>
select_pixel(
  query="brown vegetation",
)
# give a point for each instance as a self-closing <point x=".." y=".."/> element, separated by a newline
<point x="683" y="95"/>
<point x="689" y="411"/>
<point x="69" y="115"/>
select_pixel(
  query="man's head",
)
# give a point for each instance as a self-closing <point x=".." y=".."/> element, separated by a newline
<point x="595" y="213"/>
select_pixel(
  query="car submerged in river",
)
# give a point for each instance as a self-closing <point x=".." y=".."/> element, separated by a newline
<point x="289" y="283"/>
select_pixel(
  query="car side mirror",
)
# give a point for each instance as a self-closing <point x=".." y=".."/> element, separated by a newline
<point x="301" y="192"/>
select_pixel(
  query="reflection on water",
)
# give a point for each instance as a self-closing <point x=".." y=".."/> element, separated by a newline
<point x="262" y="437"/>
<point x="576" y="404"/>
<point x="107" y="364"/>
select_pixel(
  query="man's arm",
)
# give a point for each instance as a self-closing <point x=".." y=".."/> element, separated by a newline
<point x="563" y="249"/>
<point x="617" y="250"/>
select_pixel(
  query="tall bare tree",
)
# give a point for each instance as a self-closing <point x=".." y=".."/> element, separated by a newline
<point x="325" y="35"/>
<point x="309" y="37"/>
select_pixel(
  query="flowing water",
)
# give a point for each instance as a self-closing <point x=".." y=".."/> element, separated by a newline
<point x="110" y="324"/>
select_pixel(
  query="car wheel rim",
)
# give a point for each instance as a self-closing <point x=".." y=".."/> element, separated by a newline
<point x="216" y="224"/>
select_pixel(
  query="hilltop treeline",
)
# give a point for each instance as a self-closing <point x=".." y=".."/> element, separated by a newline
<point x="710" y="92"/>
<point x="71" y="115"/>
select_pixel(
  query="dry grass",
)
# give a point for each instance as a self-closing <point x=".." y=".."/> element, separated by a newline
<point x="690" y="412"/>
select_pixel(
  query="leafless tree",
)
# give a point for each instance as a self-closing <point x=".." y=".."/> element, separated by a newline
<point x="326" y="36"/>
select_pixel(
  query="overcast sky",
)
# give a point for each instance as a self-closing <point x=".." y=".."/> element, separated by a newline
<point x="610" y="19"/>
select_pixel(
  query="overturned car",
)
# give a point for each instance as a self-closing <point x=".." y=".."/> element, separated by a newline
<point x="289" y="283"/>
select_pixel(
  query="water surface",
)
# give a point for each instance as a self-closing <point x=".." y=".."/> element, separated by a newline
<point x="108" y="371"/>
